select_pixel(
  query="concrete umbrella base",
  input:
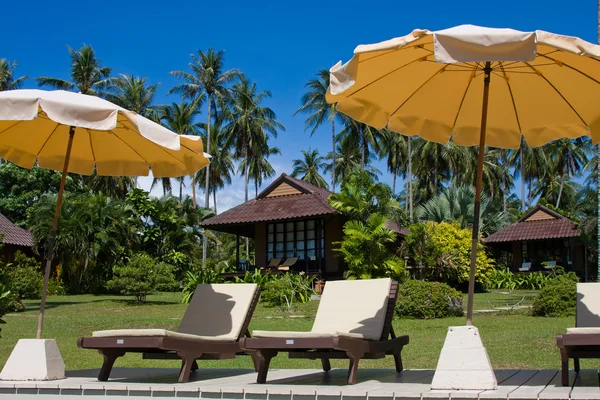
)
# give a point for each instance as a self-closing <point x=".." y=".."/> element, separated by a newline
<point x="34" y="360"/>
<point x="464" y="363"/>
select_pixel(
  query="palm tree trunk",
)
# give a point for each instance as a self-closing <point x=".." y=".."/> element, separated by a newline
<point x="193" y="191"/>
<point x="255" y="189"/>
<point x="362" y="140"/>
<point x="206" y="193"/>
<point x="560" y="191"/>
<point x="246" y="199"/>
<point x="215" y="200"/>
<point x="523" y="177"/>
<point x="333" y="153"/>
<point x="505" y="198"/>
<point x="394" y="183"/>
<point x="410" y="188"/>
<point x="181" y="189"/>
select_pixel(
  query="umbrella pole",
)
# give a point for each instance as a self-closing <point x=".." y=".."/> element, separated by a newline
<point x="50" y="250"/>
<point x="475" y="238"/>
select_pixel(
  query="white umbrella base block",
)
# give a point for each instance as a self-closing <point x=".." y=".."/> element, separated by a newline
<point x="464" y="363"/>
<point x="34" y="360"/>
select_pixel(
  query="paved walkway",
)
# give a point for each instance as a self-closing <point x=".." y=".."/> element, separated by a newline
<point x="287" y="384"/>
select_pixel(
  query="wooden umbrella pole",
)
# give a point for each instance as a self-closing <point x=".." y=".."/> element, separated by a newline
<point x="50" y="249"/>
<point x="475" y="237"/>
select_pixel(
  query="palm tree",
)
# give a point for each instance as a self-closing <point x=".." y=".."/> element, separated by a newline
<point x="178" y="118"/>
<point x="221" y="160"/>
<point x="347" y="159"/>
<point x="258" y="164"/>
<point x="310" y="168"/>
<point x="557" y="189"/>
<point x="134" y="94"/>
<point x="568" y="157"/>
<point x="115" y="187"/>
<point x="366" y="135"/>
<point x="394" y="148"/>
<point x="530" y="163"/>
<point x="7" y="79"/>
<point x="320" y="112"/>
<point x="435" y="165"/>
<point x="87" y="74"/>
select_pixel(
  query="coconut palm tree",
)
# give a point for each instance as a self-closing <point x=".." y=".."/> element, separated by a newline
<point x="135" y="94"/>
<point x="320" y="112"/>
<point x="310" y="167"/>
<point x="366" y="135"/>
<point x="178" y="117"/>
<point x="530" y="164"/>
<point x="221" y="161"/>
<point x="7" y="79"/>
<point x="258" y="164"/>
<point x="347" y="159"/>
<point x="395" y="150"/>
<point x="568" y="158"/>
<point x="434" y="166"/>
<point x="88" y="76"/>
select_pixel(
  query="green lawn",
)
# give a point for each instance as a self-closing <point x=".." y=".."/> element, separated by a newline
<point x="513" y="341"/>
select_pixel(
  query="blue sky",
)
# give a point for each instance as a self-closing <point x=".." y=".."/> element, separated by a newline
<point x="278" y="44"/>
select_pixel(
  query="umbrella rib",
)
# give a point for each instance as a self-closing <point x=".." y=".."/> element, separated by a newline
<point x="420" y="46"/>
<point x="444" y="66"/>
<point x="46" y="141"/>
<point x="463" y="98"/>
<point x="572" y="68"/>
<point x="12" y="126"/>
<point x="92" y="148"/>
<point x="512" y="97"/>
<point x="130" y="146"/>
<point x="559" y="93"/>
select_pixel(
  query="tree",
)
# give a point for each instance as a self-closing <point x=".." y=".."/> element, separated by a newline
<point x="395" y="150"/>
<point x="7" y="79"/>
<point x="259" y="167"/>
<point x="529" y="163"/>
<point x="111" y="186"/>
<point x="88" y="76"/>
<point x="207" y="79"/>
<point x="320" y="111"/>
<point x="568" y="157"/>
<point x="310" y="167"/>
<point x="134" y="94"/>
<point x="366" y="135"/>
<point x="435" y="165"/>
<point x="347" y="159"/>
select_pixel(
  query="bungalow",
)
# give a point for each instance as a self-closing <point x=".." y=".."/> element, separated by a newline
<point x="290" y="218"/>
<point x="13" y="239"/>
<point x="540" y="239"/>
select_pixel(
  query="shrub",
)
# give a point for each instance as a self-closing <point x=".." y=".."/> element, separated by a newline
<point x="503" y="278"/>
<point x="142" y="276"/>
<point x="25" y="278"/>
<point x="426" y="300"/>
<point x="287" y="289"/>
<point x="200" y="275"/>
<point x="258" y="277"/>
<point x="558" y="298"/>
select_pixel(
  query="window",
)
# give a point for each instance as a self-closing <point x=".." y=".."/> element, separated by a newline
<point x="302" y="239"/>
<point x="524" y="252"/>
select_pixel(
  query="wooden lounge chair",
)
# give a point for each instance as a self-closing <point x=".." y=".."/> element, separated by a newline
<point x="526" y="266"/>
<point x="212" y="326"/>
<point x="354" y="321"/>
<point x="288" y="263"/>
<point x="274" y="263"/>
<point x="584" y="340"/>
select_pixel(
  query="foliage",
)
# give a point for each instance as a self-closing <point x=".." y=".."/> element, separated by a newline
<point x="209" y="273"/>
<point x="24" y="277"/>
<point x="5" y="300"/>
<point x="7" y="78"/>
<point x="261" y="278"/>
<point x="289" y="287"/>
<point x="142" y="276"/>
<point x="366" y="249"/>
<point x="426" y="300"/>
<point x="310" y="168"/>
<point x="558" y="298"/>
<point x="444" y="249"/>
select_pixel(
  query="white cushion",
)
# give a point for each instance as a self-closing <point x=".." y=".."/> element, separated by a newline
<point x="583" y="330"/>
<point x="588" y="305"/>
<point x="120" y="333"/>
<point x="302" y="335"/>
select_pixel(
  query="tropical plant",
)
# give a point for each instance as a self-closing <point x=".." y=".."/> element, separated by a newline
<point x="88" y="76"/>
<point x="142" y="276"/>
<point x="366" y="248"/>
<point x="288" y="288"/>
<point x="568" y="157"/>
<point x="435" y="165"/>
<point x="201" y="275"/>
<point x="115" y="187"/>
<point x="366" y="135"/>
<point x="134" y="94"/>
<point x="427" y="300"/>
<point x="319" y="112"/>
<point x="394" y="148"/>
<point x="257" y="276"/>
<point x="309" y="168"/>
<point x="558" y="298"/>
<point x="7" y="79"/>
<point x="5" y="299"/>
<point x="347" y="160"/>
<point x="529" y="163"/>
<point x="258" y="164"/>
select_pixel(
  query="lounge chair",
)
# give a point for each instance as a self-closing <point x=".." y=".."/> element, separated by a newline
<point x="584" y="340"/>
<point x="353" y="321"/>
<point x="274" y="263"/>
<point x="549" y="264"/>
<point x="288" y="264"/>
<point x="212" y="326"/>
<point x="526" y="266"/>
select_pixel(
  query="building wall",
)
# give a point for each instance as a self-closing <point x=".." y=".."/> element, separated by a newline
<point x="260" y="244"/>
<point x="517" y="255"/>
<point x="333" y="233"/>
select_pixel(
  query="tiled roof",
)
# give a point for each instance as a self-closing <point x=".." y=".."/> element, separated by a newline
<point x="12" y="234"/>
<point x="311" y="202"/>
<point x="555" y="226"/>
<point x="391" y="225"/>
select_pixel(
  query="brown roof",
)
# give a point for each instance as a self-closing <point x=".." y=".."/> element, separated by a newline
<point x="12" y="234"/>
<point x="539" y="223"/>
<point x="391" y="225"/>
<point x="307" y="201"/>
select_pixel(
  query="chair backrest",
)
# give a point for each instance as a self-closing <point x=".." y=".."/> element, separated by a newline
<point x="290" y="261"/>
<point x="588" y="305"/>
<point x="526" y="265"/>
<point x="222" y="311"/>
<point x="274" y="262"/>
<point x="550" y="263"/>
<point x="358" y="307"/>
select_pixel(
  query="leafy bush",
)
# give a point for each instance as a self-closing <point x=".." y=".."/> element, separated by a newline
<point x="5" y="299"/>
<point x="261" y="278"/>
<point x="558" y="298"/>
<point x="56" y="287"/>
<point x="503" y="278"/>
<point x="444" y="249"/>
<point x="287" y="289"/>
<point x="25" y="278"/>
<point x="200" y="275"/>
<point x="142" y="276"/>
<point x="426" y="300"/>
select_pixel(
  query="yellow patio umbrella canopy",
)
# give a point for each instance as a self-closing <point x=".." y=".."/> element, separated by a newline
<point x="475" y="86"/>
<point x="72" y="132"/>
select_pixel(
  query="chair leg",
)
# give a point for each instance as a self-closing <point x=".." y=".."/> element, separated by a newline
<point x="326" y="364"/>
<point x="264" y="360"/>
<point x="110" y="357"/>
<point x="194" y="366"/>
<point x="577" y="366"/>
<point x="564" y="366"/>
<point x="255" y="360"/>
<point x="398" y="360"/>
<point x="188" y="361"/>
<point x="353" y="369"/>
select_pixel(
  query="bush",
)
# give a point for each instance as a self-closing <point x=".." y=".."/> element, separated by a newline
<point x="142" y="276"/>
<point x="200" y="275"/>
<point x="261" y="278"/>
<point x="426" y="300"/>
<point x="558" y="298"/>
<point x="287" y="289"/>
<point x="25" y="278"/>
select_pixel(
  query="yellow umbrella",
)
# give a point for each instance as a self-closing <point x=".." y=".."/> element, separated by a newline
<point x="72" y="132"/>
<point x="475" y="86"/>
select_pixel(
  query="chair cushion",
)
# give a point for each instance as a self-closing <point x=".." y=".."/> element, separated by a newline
<point x="302" y="335"/>
<point x="588" y="305"/>
<point x="356" y="307"/>
<point x="584" y="330"/>
<point x="118" y="333"/>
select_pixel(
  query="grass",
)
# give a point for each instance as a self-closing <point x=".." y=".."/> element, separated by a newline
<point x="513" y="341"/>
